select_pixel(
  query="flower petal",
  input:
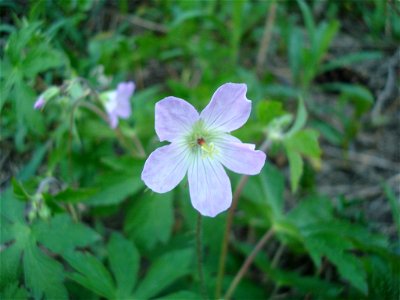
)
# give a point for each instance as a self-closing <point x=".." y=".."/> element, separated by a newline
<point x="228" y="109"/>
<point x="210" y="188"/>
<point x="240" y="157"/>
<point x="174" y="117"/>
<point x="123" y="95"/>
<point x="165" y="168"/>
<point x="113" y="120"/>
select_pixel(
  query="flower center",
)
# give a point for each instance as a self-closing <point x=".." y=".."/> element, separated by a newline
<point x="201" y="140"/>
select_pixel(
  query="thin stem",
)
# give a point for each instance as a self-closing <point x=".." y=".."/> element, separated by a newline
<point x="225" y="242"/>
<point x="247" y="263"/>
<point x="262" y="52"/>
<point x="199" y="247"/>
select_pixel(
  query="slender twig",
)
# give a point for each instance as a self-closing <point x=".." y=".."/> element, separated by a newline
<point x="199" y="247"/>
<point x="225" y="241"/>
<point x="269" y="24"/>
<point x="247" y="263"/>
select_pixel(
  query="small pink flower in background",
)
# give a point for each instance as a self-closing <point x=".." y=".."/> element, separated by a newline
<point x="200" y="145"/>
<point x="40" y="102"/>
<point x="118" y="104"/>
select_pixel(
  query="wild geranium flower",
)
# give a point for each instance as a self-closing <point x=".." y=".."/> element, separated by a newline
<point x="200" y="145"/>
<point x="117" y="103"/>
<point x="40" y="102"/>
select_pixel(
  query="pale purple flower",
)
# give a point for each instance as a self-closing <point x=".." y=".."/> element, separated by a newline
<point x="201" y="146"/>
<point x="40" y="102"/>
<point x="118" y="104"/>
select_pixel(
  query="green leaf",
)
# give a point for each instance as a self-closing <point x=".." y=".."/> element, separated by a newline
<point x="301" y="118"/>
<point x="140" y="222"/>
<point x="394" y="205"/>
<point x="30" y="168"/>
<point x="323" y="38"/>
<point x="115" y="187"/>
<point x="9" y="262"/>
<point x="351" y="58"/>
<point x="41" y="58"/>
<point x="62" y="235"/>
<point x="163" y="272"/>
<point x="308" y="18"/>
<point x="304" y="142"/>
<point x="312" y="210"/>
<point x="294" y="53"/>
<point x="273" y="184"/>
<point x="91" y="274"/>
<point x="124" y="261"/>
<point x="74" y="195"/>
<point x="268" y="110"/>
<point x="19" y="190"/>
<point x="13" y="292"/>
<point x="335" y="249"/>
<point x="187" y="295"/>
<point x="296" y="168"/>
<point x="43" y="275"/>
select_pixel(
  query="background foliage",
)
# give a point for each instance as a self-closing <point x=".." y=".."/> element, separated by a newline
<point x="77" y="222"/>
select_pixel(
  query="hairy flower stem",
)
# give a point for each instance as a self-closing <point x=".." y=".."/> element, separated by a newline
<point x="229" y="220"/>
<point x="247" y="263"/>
<point x="199" y="246"/>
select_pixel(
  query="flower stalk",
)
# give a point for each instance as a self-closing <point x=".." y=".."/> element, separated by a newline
<point x="225" y="242"/>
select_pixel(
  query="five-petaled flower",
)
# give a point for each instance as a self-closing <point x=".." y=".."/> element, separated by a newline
<point x="117" y="103"/>
<point x="200" y="145"/>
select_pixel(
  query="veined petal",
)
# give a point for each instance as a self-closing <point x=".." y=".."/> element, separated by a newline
<point x="174" y="117"/>
<point x="239" y="157"/>
<point x="209" y="185"/>
<point x="228" y="109"/>
<point x="166" y="167"/>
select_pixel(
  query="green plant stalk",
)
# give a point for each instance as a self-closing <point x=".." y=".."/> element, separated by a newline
<point x="225" y="241"/>
<point x="199" y="248"/>
<point x="247" y="263"/>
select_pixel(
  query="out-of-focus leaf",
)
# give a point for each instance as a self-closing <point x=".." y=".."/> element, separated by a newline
<point x="30" y="169"/>
<point x="301" y="118"/>
<point x="116" y="187"/>
<point x="149" y="220"/>
<point x="336" y="250"/>
<point x="272" y="183"/>
<point x="268" y="110"/>
<point x="43" y="275"/>
<point x="311" y="210"/>
<point x="91" y="274"/>
<point x="187" y="295"/>
<point x="394" y="205"/>
<point x="74" y="195"/>
<point x="349" y="59"/>
<point x="307" y="17"/>
<point x="124" y="262"/>
<point x="9" y="262"/>
<point x="163" y="272"/>
<point x="14" y="292"/>
<point x="296" y="168"/>
<point x="19" y="190"/>
<point x="62" y="235"/>
<point x="323" y="38"/>
<point x="304" y="142"/>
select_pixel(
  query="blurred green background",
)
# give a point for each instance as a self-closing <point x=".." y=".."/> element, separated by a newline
<point x="77" y="222"/>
